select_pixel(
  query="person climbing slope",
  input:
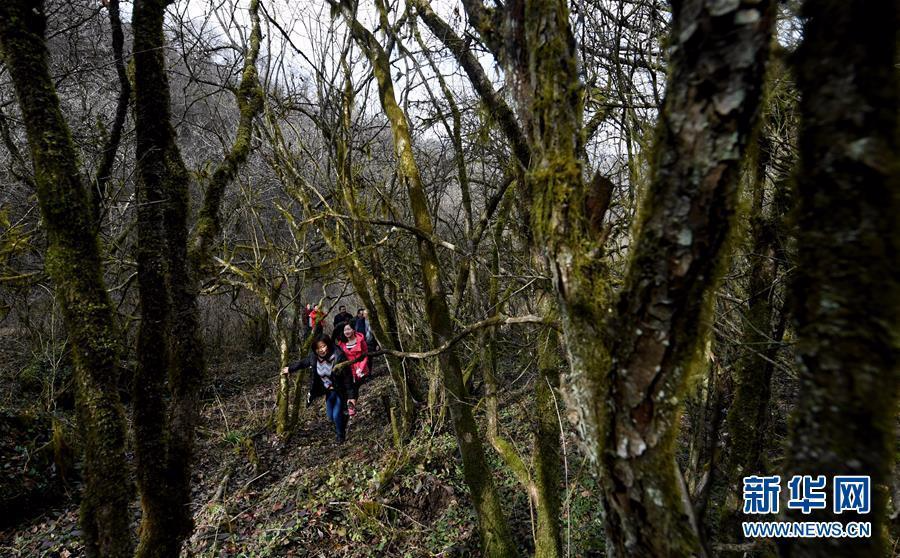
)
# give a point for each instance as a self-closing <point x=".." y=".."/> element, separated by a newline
<point x="354" y="346"/>
<point x="328" y="379"/>
<point x="359" y="323"/>
<point x="317" y="319"/>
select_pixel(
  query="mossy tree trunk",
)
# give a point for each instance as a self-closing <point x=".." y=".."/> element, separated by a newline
<point x="495" y="536"/>
<point x="534" y="42"/>
<point x="162" y="188"/>
<point x="170" y="349"/>
<point x="542" y="480"/>
<point x="546" y="454"/>
<point x="847" y="293"/>
<point x="74" y="263"/>
<point x="747" y="421"/>
<point x="717" y="65"/>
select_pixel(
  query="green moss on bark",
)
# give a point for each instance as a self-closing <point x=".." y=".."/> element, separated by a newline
<point x="847" y="291"/>
<point x="73" y="261"/>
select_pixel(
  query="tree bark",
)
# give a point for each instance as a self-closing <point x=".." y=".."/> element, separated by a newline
<point x="169" y="343"/>
<point x="546" y="456"/>
<point x="162" y="185"/>
<point x="73" y="261"/>
<point x="717" y="65"/>
<point x="847" y="291"/>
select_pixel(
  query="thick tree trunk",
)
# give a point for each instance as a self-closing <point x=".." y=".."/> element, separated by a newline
<point x="847" y="292"/>
<point x="719" y="55"/>
<point x="162" y="440"/>
<point x="168" y="273"/>
<point x="74" y="263"/>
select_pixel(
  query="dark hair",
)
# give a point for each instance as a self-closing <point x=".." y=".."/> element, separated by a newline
<point x="339" y="331"/>
<point x="342" y="308"/>
<point x="322" y="339"/>
<point x="360" y="310"/>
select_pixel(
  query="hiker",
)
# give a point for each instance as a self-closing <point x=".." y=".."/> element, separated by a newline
<point x="336" y="385"/>
<point x="316" y="319"/>
<point x="367" y="329"/>
<point x="354" y="346"/>
<point x="307" y="310"/>
<point x="360" y="324"/>
<point x="343" y="317"/>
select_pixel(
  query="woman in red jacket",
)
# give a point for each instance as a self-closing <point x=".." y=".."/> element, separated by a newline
<point x="354" y="346"/>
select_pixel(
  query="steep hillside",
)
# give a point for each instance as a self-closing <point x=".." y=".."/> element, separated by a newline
<point x="256" y="495"/>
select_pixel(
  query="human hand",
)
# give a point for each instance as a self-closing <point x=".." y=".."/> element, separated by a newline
<point x="285" y="371"/>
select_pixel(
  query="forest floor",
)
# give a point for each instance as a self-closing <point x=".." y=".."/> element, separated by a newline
<point x="257" y="495"/>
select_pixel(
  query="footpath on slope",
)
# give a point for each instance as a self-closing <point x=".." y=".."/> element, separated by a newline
<point x="257" y="495"/>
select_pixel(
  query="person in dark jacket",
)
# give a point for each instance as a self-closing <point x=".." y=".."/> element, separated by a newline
<point x="342" y="318"/>
<point x="364" y="326"/>
<point x="307" y="327"/>
<point x="327" y="379"/>
<point x="359" y="323"/>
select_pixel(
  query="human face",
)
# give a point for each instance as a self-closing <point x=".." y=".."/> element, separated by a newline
<point x="321" y="349"/>
<point x="349" y="332"/>
<point x="343" y="308"/>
